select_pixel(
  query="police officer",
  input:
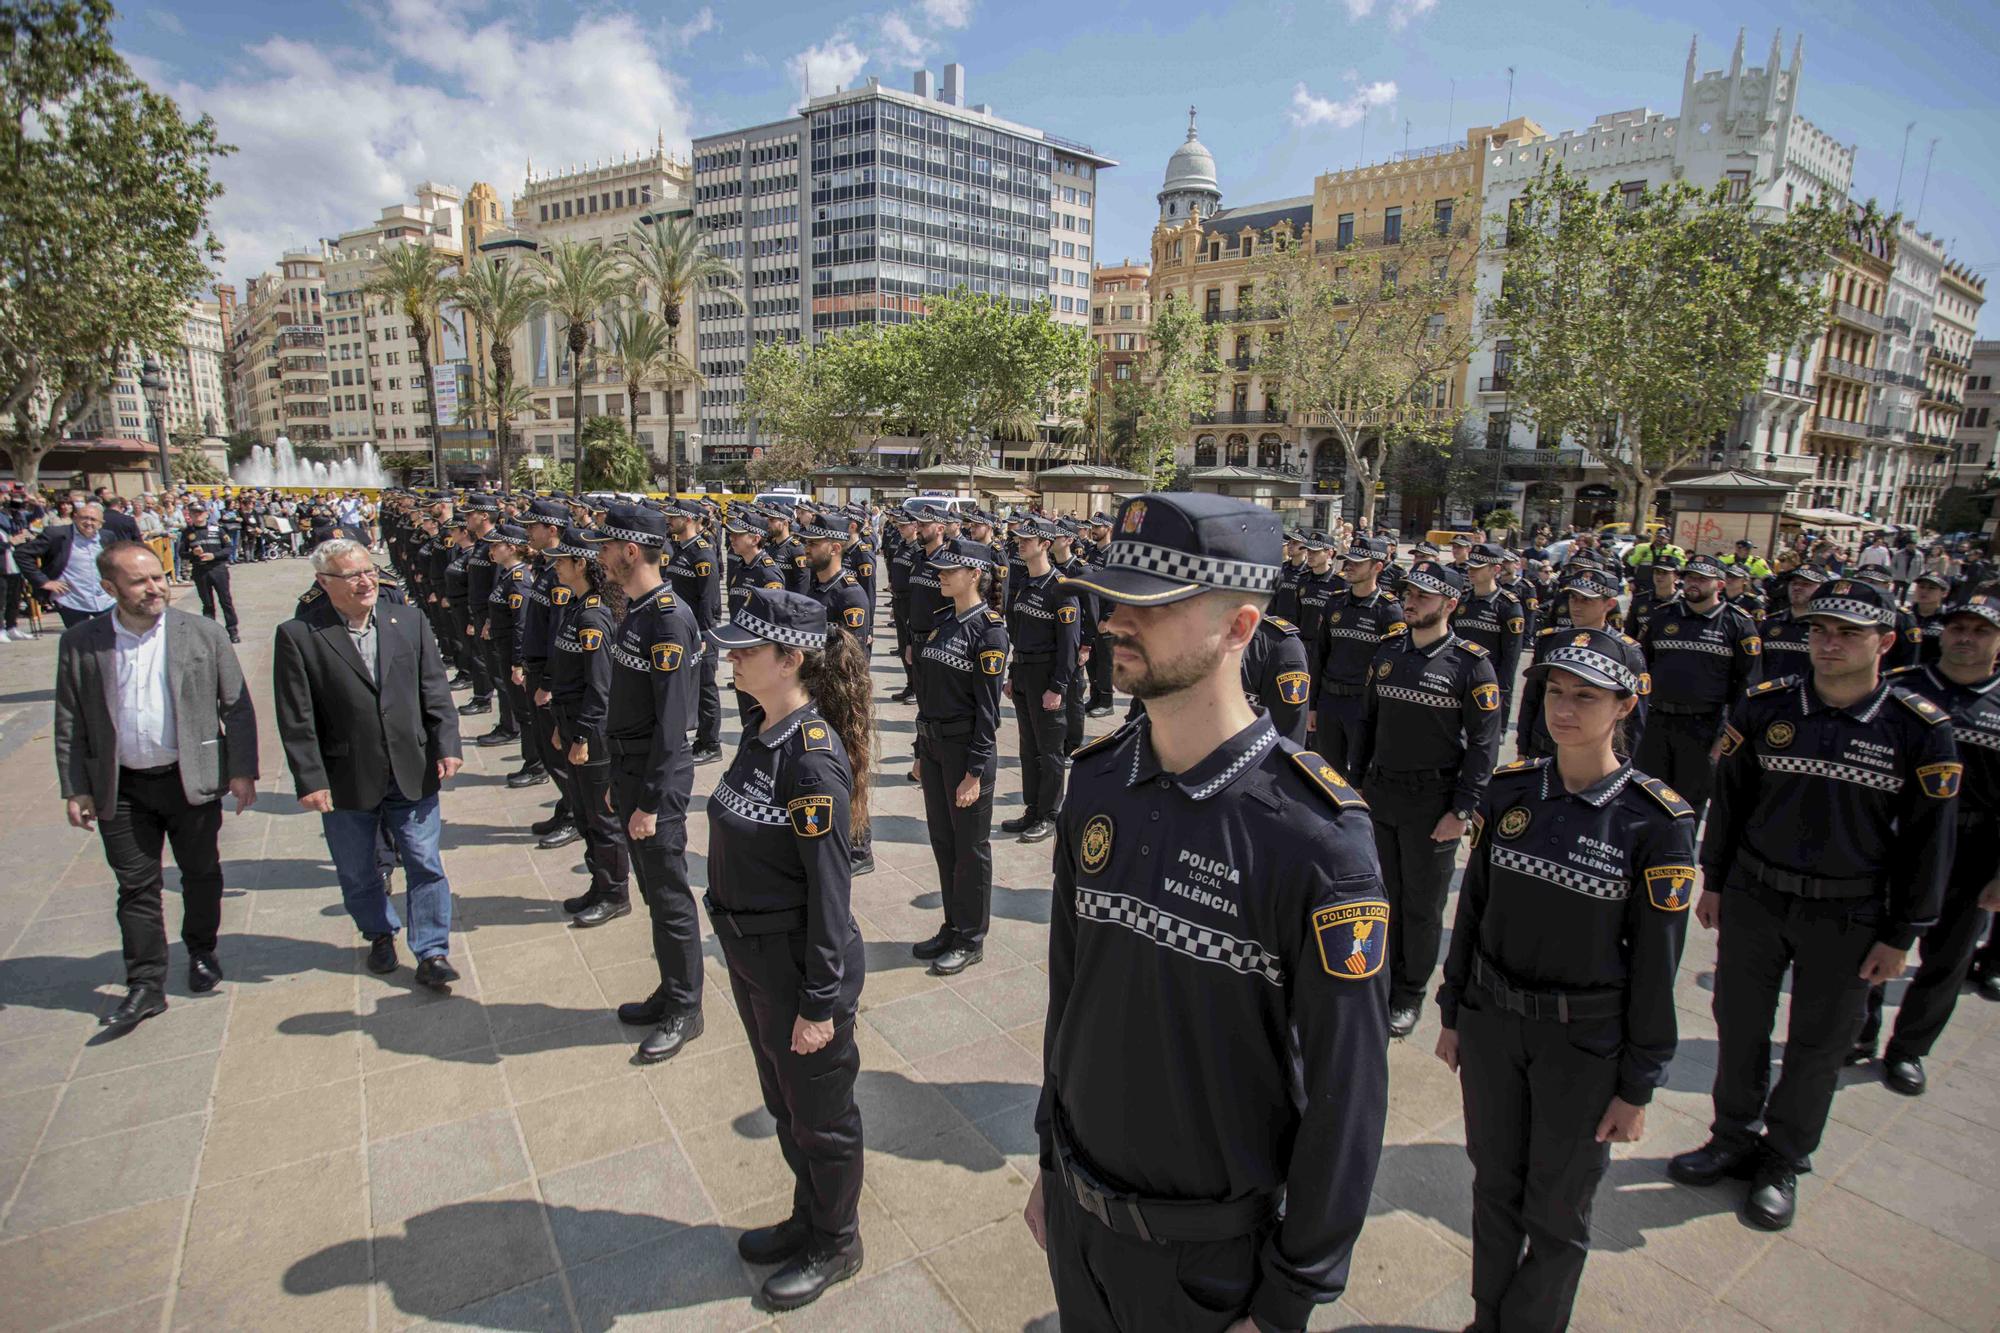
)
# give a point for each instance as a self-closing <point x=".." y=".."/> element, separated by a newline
<point x="1785" y="632"/>
<point x="978" y="527"/>
<point x="1045" y="625"/>
<point x="1909" y="639"/>
<point x="1663" y="587"/>
<point x="861" y="558"/>
<point x="1215" y="957"/>
<point x="1827" y="849"/>
<point x="925" y="596"/>
<point x="1702" y="653"/>
<point x="575" y="698"/>
<point x="1277" y="676"/>
<point x="1492" y="617"/>
<point x="1736" y="591"/>
<point x="1090" y="539"/>
<point x="1961" y="683"/>
<point x="1065" y="557"/>
<point x="652" y="768"/>
<point x="754" y="569"/>
<point x="1525" y="590"/>
<point x="1558" y="995"/>
<point x="786" y="550"/>
<point x="206" y="551"/>
<point x="904" y="553"/>
<point x="505" y="545"/>
<point x="455" y="581"/>
<point x="1927" y="612"/>
<point x="1588" y="596"/>
<point x="1746" y="559"/>
<point x="1355" y="623"/>
<point x="836" y="587"/>
<point x="695" y="574"/>
<point x="778" y="895"/>
<point x="959" y="666"/>
<point x="1425" y="748"/>
<point x="480" y="516"/>
<point x="1312" y="593"/>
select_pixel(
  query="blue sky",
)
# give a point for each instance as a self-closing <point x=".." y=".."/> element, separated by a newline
<point x="339" y="107"/>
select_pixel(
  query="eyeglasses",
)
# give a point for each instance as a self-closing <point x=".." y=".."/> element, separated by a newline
<point x="355" y="579"/>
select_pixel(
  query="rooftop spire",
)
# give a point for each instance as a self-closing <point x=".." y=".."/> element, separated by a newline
<point x="1190" y="122"/>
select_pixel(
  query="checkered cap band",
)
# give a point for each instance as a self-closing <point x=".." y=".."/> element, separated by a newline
<point x="1851" y="609"/>
<point x="1706" y="567"/>
<point x="813" y="532"/>
<point x="1592" y="584"/>
<point x="764" y="629"/>
<point x="1167" y="563"/>
<point x="629" y="535"/>
<point x="1589" y="659"/>
<point x="950" y="559"/>
<point x="574" y="550"/>
<point x="1428" y="582"/>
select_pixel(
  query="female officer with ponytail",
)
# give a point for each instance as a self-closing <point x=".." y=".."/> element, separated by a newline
<point x="779" y="879"/>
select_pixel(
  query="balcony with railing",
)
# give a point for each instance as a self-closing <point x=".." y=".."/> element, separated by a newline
<point x="1240" y="363"/>
<point x="1834" y="365"/>
<point x="1785" y="388"/>
<point x="1853" y="430"/>
<point x="1414" y="230"/>
<point x="1255" y="416"/>
<point x="1219" y="316"/>
<point x="1498" y="382"/>
<point x="1855" y="315"/>
<point x="302" y="338"/>
<point x="1896" y="324"/>
<point x="1924" y="337"/>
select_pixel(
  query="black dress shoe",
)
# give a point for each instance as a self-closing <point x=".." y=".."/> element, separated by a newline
<point x="774" y="1244"/>
<point x="562" y="837"/>
<point x="802" y="1281"/>
<point x="708" y="754"/>
<point x="1904" y="1074"/>
<point x="382" y="955"/>
<point x="234" y="637"/>
<point x="861" y="865"/>
<point x="1714" y="1161"/>
<point x="603" y="910"/>
<point x="498" y="736"/>
<point x="1039" y="831"/>
<point x="1403" y="1020"/>
<point x="956" y="959"/>
<point x="932" y="947"/>
<point x="541" y="828"/>
<point x="1988" y="985"/>
<point x="436" y="973"/>
<point x="571" y="906"/>
<point x="1774" y="1195"/>
<point x="646" y="1012"/>
<point x="475" y="706"/>
<point x="668" y="1038"/>
<point x="203" y="971"/>
<point x="1102" y="710"/>
<point x="527" y="777"/>
<point x="140" y="1003"/>
<point x="1016" y="824"/>
<point x="903" y="697"/>
<point x="460" y="681"/>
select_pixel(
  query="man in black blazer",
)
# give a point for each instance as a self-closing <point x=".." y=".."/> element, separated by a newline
<point x="61" y="564"/>
<point x="370" y="734"/>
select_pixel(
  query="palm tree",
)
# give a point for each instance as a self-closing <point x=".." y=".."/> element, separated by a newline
<point x="510" y="401"/>
<point x="644" y="352"/>
<point x="672" y="260"/>
<point x="411" y="278"/>
<point x="499" y="299"/>
<point x="578" y="281"/>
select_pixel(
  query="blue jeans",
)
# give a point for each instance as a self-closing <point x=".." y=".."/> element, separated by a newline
<point x="353" y="837"/>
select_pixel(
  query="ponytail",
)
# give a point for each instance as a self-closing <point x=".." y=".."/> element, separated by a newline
<point x="837" y="679"/>
<point x="607" y="588"/>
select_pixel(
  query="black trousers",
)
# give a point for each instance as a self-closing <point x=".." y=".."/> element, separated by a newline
<point x="1100" y="672"/>
<point x="499" y="660"/>
<point x="1534" y="1093"/>
<point x="1073" y="713"/>
<point x="606" y="854"/>
<point x="1675" y="750"/>
<point x="1337" y="723"/>
<point x="1944" y="955"/>
<point x="960" y="839"/>
<point x="10" y="600"/>
<point x="472" y="651"/>
<point x="539" y="729"/>
<point x="1416" y="871"/>
<point x="708" y="704"/>
<point x="1042" y="742"/>
<point x="1823" y="942"/>
<point x="211" y="584"/>
<point x="1108" y="1283"/>
<point x="659" y="863"/>
<point x="899" y="613"/>
<point x="153" y="811"/>
<point x="811" y="1097"/>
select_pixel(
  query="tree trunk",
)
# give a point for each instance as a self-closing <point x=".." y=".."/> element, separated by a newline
<point x="1365" y="473"/>
<point x="671" y="312"/>
<point x="673" y="453"/>
<point x="27" y="459"/>
<point x="430" y="403"/>
<point x="579" y="338"/>
<point x="503" y="380"/>
<point x="1644" y="489"/>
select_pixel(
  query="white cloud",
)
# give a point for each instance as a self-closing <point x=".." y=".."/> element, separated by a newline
<point x="327" y="137"/>
<point x="1358" y="9"/>
<point x="1309" y="109"/>
<point x="902" y="38"/>
<point x="903" y="44"/>
<point x="703" y="23"/>
<point x="167" y="20"/>
<point x="949" y="13"/>
<point x="832" y="64"/>
<point x="1402" y="13"/>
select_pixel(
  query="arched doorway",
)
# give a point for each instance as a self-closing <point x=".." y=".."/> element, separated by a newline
<point x="1329" y="468"/>
<point x="1239" y="451"/>
<point x="1204" y="451"/>
<point x="1270" y="450"/>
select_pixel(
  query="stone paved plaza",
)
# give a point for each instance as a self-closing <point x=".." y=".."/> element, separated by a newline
<point x="313" y="1147"/>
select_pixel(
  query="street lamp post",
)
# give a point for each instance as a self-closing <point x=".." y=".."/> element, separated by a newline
<point x="153" y="383"/>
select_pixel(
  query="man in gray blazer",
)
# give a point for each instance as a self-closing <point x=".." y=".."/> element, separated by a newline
<point x="152" y="723"/>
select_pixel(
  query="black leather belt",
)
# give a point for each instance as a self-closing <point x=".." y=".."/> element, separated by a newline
<point x="1766" y="875"/>
<point x="1552" y="1006"/>
<point x="159" y="772"/>
<point x="1161" y="1220"/>
<point x="944" y="731"/>
<point x="745" y="924"/>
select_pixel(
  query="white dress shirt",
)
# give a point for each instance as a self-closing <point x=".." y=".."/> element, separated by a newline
<point x="145" y="716"/>
<point x="86" y="590"/>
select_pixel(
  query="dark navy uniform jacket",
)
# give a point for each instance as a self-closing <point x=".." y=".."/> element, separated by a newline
<point x="1217" y="1000"/>
<point x="1352" y="629"/>
<point x="479" y="573"/>
<point x="1311" y="596"/>
<point x="579" y="669"/>
<point x="1867" y="791"/>
<point x="1581" y="891"/>
<point x="790" y="555"/>
<point x="534" y="622"/>
<point x="1930" y="638"/>
<point x="507" y="600"/>
<point x="759" y="571"/>
<point x="1499" y="624"/>
<point x="210" y="538"/>
<point x="1975" y="727"/>
<point x="1432" y="709"/>
<point x="846" y="603"/>
<point x="1785" y="647"/>
<point x="859" y="556"/>
<point x="696" y="576"/>
<point x="777" y="841"/>
<point x="1700" y="660"/>
<point x="959" y="663"/>
<point x="652" y="698"/>
<point x="1277" y="676"/>
<point x="1044" y="622"/>
<point x="1529" y="595"/>
<point x="926" y="597"/>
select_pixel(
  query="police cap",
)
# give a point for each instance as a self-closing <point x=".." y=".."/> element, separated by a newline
<point x="962" y="554"/>
<point x="773" y="615"/>
<point x="1438" y="579"/>
<point x="635" y="523"/>
<point x="1169" y="547"/>
<point x="1984" y="605"/>
<point x="1591" y="655"/>
<point x="1851" y="602"/>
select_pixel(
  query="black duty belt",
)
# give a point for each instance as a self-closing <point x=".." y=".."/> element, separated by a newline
<point x="944" y="731"/>
<point x="1161" y="1220"/>
<point x="745" y="924"/>
<point x="1766" y="875"/>
<point x="1552" y="1006"/>
<point x="1686" y="710"/>
<point x="1340" y="691"/>
<point x="624" y="746"/>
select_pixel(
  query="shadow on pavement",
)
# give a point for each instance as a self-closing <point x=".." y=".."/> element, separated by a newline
<point x="54" y="981"/>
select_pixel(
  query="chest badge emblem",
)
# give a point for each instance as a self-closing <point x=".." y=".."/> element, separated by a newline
<point x="1382" y="671"/>
<point x="1779" y="735"/>
<point x="1096" y="843"/>
<point x="1514" y="823"/>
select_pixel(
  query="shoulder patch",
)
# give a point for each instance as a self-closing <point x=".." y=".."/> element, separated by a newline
<point x="1668" y="798"/>
<point x="1630" y="642"/>
<point x="665" y="600"/>
<point x="1768" y="686"/>
<point x="592" y="600"/>
<point x="817" y="735"/>
<point x="1398" y="628"/>
<point x="560" y="595"/>
<point x="995" y="618"/>
<point x="1919" y="705"/>
<point x="1325" y="779"/>
<point x="1280" y="624"/>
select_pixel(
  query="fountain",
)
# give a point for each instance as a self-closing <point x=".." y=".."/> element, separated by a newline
<point x="281" y="466"/>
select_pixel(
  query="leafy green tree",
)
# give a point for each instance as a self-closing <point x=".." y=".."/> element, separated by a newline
<point x="1641" y="324"/>
<point x="642" y="348"/>
<point x="816" y="402"/>
<point x="580" y="282"/>
<point x="552" y="476"/>
<point x="611" y="461"/>
<point x="499" y="299"/>
<point x="1172" y="388"/>
<point x="671" y="259"/>
<point x="1366" y="339"/>
<point x="104" y="195"/>
<point x="192" y="468"/>
<point x="410" y="279"/>
<point x="404" y="462"/>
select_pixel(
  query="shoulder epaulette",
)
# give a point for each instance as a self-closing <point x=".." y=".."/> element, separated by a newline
<point x="1282" y="625"/>
<point x="592" y="600"/>
<point x="1892" y="672"/>
<point x="1326" y="780"/>
<point x="1476" y="649"/>
<point x="560" y="595"/>
<point x="995" y="618"/>
<point x="311" y="595"/>
<point x="1630" y="642"/>
<point x="664" y="600"/>
<point x="849" y="581"/>
<point x="1104" y="742"/>
<point x="1767" y="686"/>
<point x="1546" y="629"/>
<point x="816" y="735"/>
<point x="1667" y="797"/>
<point x="1919" y="705"/>
<point x="1398" y="628"/>
<point x="1508" y="595"/>
<point x="1521" y="766"/>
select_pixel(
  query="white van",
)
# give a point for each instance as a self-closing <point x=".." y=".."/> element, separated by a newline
<point x="950" y="503"/>
<point x="784" y="495"/>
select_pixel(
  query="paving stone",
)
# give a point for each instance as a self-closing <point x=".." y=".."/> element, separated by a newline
<point x="690" y="1280"/>
<point x="997" y="1275"/>
<point x="287" y="1247"/>
<point x="944" y="1187"/>
<point x="1940" y="1198"/>
<point x="1902" y="1256"/>
<point x="1008" y="999"/>
<point x="596" y="1048"/>
<point x="703" y="1088"/>
<point x="37" y="1062"/>
<point x="448" y="1257"/>
<point x="928" y="1024"/>
<point x="534" y="1305"/>
<point x="39" y="1273"/>
<point x="621" y="1201"/>
<point x="423" y="1171"/>
<point x="1399" y="1264"/>
<point x="737" y="1169"/>
<point x="590" y="1122"/>
<point x="256" y="1136"/>
<point x="189" y="1027"/>
<point x="985" y="1077"/>
<point x="103" y="1175"/>
<point x="23" y="1116"/>
<point x="1770" y="1293"/>
<point x="417" y="1096"/>
<point x="131" y="1098"/>
<point x="250" y="1073"/>
<point x="906" y="1299"/>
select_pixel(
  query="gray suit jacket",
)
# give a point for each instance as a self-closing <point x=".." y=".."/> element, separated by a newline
<point x="214" y="723"/>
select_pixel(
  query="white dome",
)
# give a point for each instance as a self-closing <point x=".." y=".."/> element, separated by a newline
<point x="1192" y="167"/>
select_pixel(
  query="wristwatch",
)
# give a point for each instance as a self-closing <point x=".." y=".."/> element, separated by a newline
<point x="1464" y="816"/>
